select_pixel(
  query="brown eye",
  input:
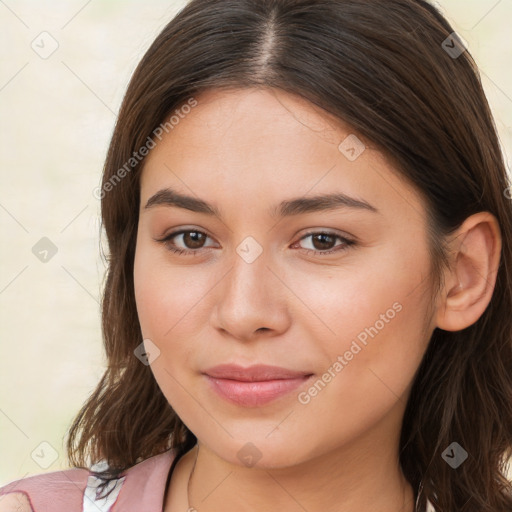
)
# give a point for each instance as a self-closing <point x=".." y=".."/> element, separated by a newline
<point x="193" y="239"/>
<point x="326" y="243"/>
<point x="323" y="241"/>
<point x="185" y="241"/>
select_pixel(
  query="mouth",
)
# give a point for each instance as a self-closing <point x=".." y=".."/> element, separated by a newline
<point x="256" y="385"/>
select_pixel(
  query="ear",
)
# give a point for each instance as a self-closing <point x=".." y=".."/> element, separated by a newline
<point x="469" y="283"/>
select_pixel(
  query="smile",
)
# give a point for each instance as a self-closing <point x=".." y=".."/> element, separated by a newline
<point x="254" y="386"/>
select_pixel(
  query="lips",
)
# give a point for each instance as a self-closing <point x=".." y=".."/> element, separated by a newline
<point x="255" y="385"/>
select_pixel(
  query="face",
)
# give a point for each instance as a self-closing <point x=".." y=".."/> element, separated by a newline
<point x="334" y="292"/>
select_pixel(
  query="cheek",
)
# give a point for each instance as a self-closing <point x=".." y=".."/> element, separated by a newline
<point x="377" y="317"/>
<point x="373" y="316"/>
<point x="167" y="299"/>
<point x="165" y="296"/>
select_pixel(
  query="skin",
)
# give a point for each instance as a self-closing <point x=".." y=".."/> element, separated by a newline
<point x="245" y="151"/>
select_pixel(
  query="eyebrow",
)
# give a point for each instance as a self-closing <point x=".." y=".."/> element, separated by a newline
<point x="297" y="206"/>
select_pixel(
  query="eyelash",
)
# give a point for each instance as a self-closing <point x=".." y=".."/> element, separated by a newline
<point x="347" y="243"/>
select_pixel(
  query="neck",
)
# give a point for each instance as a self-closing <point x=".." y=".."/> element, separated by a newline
<point x="344" y="479"/>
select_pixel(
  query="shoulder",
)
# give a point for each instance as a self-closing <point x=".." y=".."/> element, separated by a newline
<point x="15" y="502"/>
<point x="143" y="485"/>
<point x="61" y="489"/>
<point x="74" y="490"/>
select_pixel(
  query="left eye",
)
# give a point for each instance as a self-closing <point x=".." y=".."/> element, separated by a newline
<point x="194" y="241"/>
<point x="323" y="242"/>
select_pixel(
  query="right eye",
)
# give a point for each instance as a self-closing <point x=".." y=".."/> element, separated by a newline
<point x="192" y="239"/>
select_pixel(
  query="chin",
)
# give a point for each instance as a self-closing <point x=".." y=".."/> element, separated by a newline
<point x="259" y="450"/>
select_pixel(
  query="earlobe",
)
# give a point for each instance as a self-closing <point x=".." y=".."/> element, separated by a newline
<point x="470" y="282"/>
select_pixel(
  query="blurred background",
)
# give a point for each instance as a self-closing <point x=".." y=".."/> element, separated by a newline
<point x="64" y="69"/>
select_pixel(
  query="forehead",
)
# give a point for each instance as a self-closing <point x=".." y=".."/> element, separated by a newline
<point x="239" y="145"/>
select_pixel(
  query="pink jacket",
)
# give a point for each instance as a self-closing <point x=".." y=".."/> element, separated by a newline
<point x="139" y="488"/>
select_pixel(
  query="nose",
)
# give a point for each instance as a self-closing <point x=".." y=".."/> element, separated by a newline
<point x="251" y="301"/>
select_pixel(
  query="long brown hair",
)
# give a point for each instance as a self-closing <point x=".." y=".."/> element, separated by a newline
<point x="396" y="73"/>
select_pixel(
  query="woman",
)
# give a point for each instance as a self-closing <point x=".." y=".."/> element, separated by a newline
<point x="308" y="298"/>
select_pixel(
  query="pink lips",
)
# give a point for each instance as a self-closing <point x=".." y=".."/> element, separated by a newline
<point x="255" y="385"/>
